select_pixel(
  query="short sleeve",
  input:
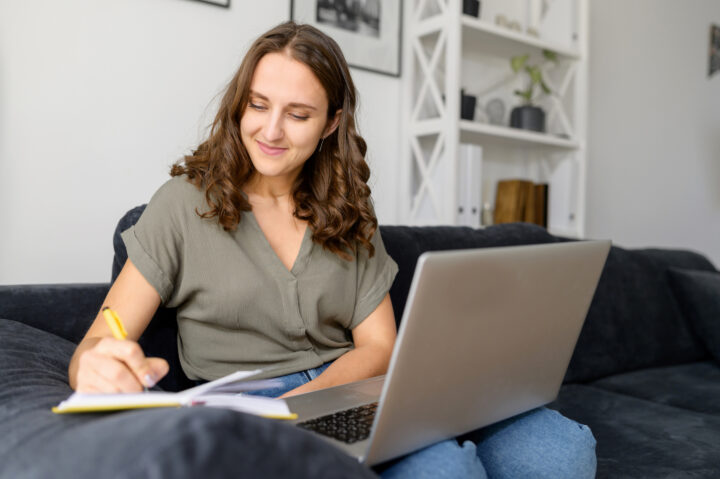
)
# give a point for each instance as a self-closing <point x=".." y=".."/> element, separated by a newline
<point x="375" y="276"/>
<point x="155" y="243"/>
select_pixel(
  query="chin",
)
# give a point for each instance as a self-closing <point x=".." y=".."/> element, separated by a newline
<point x="273" y="166"/>
<point x="268" y="170"/>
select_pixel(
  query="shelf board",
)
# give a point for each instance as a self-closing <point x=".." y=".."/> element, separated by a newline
<point x="483" y="33"/>
<point x="479" y="133"/>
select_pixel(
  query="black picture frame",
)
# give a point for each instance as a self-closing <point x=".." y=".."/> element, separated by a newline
<point x="216" y="3"/>
<point x="714" y="59"/>
<point x="369" y="33"/>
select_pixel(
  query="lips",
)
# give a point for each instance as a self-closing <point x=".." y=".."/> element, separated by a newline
<point x="270" y="150"/>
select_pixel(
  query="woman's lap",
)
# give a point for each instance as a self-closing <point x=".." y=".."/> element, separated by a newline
<point x="291" y="381"/>
<point x="443" y="460"/>
<point x="539" y="443"/>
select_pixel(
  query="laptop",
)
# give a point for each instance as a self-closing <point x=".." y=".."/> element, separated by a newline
<point x="486" y="334"/>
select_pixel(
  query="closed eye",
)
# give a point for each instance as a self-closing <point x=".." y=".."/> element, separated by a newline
<point x="257" y="107"/>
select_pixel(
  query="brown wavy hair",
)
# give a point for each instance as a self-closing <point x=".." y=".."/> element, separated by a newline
<point x="331" y="192"/>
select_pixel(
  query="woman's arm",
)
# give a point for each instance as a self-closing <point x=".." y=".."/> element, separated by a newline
<point x="102" y="363"/>
<point x="374" y="339"/>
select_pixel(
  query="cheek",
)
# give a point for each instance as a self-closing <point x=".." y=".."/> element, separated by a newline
<point x="249" y="124"/>
<point x="304" y="136"/>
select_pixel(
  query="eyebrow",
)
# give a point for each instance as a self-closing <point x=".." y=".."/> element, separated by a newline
<point x="293" y="104"/>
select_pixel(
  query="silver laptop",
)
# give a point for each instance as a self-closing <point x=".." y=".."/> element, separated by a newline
<point x="486" y="334"/>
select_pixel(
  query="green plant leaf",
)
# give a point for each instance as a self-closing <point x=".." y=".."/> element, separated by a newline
<point x="525" y="94"/>
<point x="535" y="74"/>
<point x="518" y="62"/>
<point x="550" y="55"/>
<point x="545" y="88"/>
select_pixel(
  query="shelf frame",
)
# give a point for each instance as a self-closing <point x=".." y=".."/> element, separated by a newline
<point x="432" y="84"/>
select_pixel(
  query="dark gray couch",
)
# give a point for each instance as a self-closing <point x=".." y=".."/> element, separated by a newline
<point x="644" y="376"/>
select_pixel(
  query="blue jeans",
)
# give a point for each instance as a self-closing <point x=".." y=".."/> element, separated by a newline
<point x="540" y="443"/>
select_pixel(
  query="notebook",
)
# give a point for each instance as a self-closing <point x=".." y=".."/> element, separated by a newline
<point x="486" y="334"/>
<point x="224" y="392"/>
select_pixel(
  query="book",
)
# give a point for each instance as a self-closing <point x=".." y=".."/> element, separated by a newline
<point x="510" y="200"/>
<point x="541" y="204"/>
<point x="529" y="203"/>
<point x="225" y="392"/>
<point x="521" y="200"/>
<point x="469" y="185"/>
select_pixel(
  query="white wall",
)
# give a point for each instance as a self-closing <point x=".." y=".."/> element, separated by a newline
<point x="654" y="125"/>
<point x="99" y="97"/>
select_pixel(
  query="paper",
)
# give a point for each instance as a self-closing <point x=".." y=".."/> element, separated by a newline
<point x="222" y="392"/>
<point x="258" y="405"/>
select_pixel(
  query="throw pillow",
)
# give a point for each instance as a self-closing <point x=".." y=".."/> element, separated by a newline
<point x="698" y="293"/>
<point x="180" y="443"/>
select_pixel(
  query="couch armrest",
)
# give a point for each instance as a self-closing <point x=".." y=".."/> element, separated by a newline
<point x="66" y="310"/>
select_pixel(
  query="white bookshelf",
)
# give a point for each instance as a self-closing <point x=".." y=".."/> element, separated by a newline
<point x="446" y="51"/>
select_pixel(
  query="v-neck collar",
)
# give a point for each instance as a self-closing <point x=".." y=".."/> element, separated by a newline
<point x="303" y="254"/>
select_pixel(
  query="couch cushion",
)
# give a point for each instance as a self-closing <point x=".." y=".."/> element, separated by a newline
<point x="173" y="443"/>
<point x="698" y="292"/>
<point x="641" y="438"/>
<point x="693" y="386"/>
<point x="634" y="320"/>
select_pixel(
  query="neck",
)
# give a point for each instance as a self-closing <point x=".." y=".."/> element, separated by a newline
<point x="264" y="191"/>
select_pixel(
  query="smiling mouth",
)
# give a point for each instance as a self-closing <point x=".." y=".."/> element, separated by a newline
<point x="270" y="150"/>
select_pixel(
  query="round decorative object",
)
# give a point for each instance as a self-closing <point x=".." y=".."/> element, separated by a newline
<point x="495" y="110"/>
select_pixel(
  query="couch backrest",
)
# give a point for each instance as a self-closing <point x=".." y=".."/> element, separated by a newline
<point x="406" y="243"/>
<point x="66" y="310"/>
<point x="634" y="320"/>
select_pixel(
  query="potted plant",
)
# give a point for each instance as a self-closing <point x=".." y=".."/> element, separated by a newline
<point x="528" y="115"/>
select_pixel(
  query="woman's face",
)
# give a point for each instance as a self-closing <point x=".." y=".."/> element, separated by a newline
<point x="285" y="117"/>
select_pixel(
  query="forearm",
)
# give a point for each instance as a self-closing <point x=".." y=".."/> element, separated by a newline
<point x="360" y="363"/>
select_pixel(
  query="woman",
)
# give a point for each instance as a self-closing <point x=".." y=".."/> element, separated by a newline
<point x="266" y="242"/>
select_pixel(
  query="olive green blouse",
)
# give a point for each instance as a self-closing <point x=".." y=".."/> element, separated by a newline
<point x="238" y="306"/>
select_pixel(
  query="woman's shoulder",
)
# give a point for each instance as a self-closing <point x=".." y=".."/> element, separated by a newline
<point x="178" y="193"/>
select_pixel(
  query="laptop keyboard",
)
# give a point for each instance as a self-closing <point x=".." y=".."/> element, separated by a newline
<point x="350" y="425"/>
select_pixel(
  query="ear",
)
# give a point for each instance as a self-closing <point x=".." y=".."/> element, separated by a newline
<point x="332" y="124"/>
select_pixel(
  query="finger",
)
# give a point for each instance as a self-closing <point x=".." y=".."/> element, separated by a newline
<point x="130" y="353"/>
<point x="159" y="367"/>
<point x="93" y="383"/>
<point x="89" y="380"/>
<point x="111" y="370"/>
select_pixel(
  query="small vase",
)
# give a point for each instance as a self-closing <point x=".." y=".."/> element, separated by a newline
<point x="528" y="117"/>
<point x="467" y="106"/>
<point x="472" y="8"/>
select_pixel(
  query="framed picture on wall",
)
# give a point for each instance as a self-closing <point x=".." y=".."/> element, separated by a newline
<point x="368" y="31"/>
<point x="218" y="3"/>
<point x="714" y="60"/>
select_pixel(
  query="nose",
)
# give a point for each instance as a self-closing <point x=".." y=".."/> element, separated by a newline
<point x="273" y="128"/>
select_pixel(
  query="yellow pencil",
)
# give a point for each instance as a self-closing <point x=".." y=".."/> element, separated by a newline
<point x="113" y="320"/>
<point x="116" y="326"/>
